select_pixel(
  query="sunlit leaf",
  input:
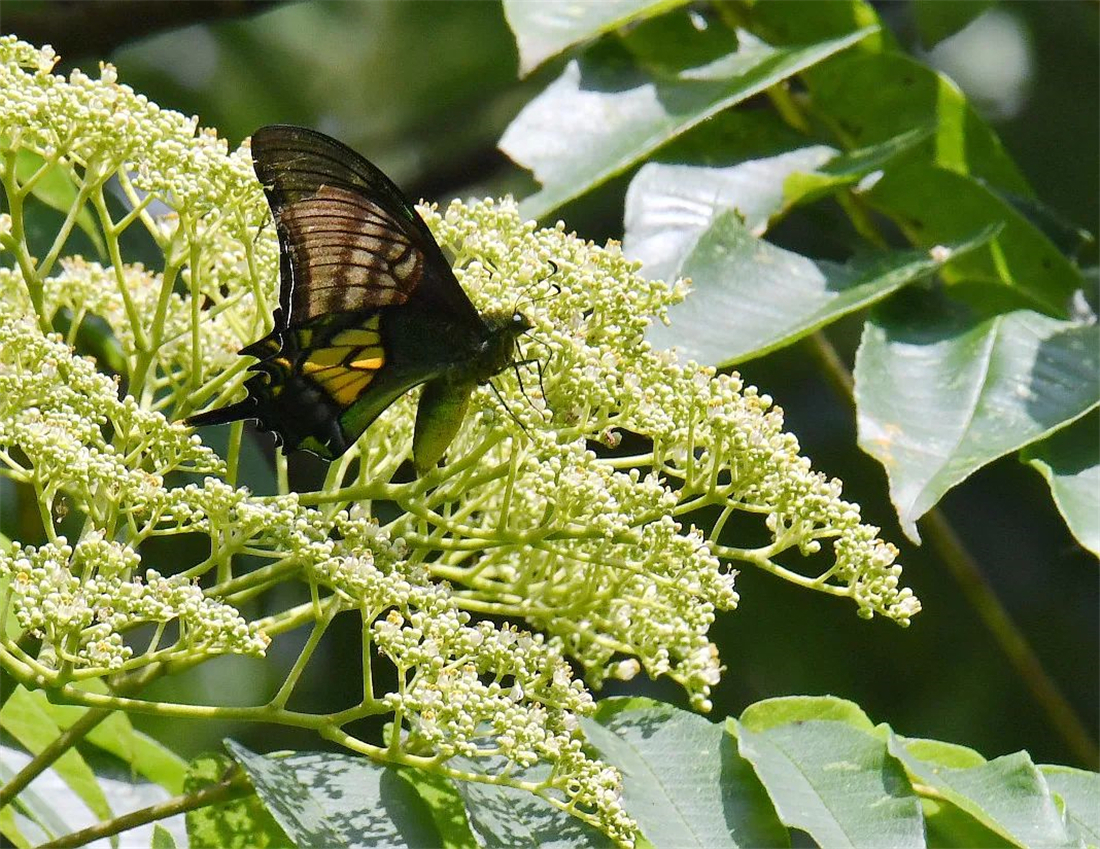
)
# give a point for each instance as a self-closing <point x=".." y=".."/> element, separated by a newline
<point x="544" y="28"/>
<point x="941" y="392"/>
<point x="607" y="111"/>
<point x="750" y="297"/>
<point x="1080" y="791"/>
<point x="1007" y="795"/>
<point x="828" y="777"/>
<point x="683" y="780"/>
<point x="56" y="189"/>
<point x="26" y="719"/>
<point x="1070" y="462"/>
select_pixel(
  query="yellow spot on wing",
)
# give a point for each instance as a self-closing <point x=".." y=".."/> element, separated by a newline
<point x="369" y="364"/>
<point x="349" y="392"/>
<point x="356" y="337"/>
<point x="329" y="356"/>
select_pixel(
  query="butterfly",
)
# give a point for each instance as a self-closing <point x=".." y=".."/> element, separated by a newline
<point x="368" y="308"/>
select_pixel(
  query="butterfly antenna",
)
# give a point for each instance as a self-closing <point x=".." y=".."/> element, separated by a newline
<point x="557" y="289"/>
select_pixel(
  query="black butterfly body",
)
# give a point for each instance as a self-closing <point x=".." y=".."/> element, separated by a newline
<point x="368" y="308"/>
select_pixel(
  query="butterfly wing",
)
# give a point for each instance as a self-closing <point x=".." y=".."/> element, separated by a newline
<point x="368" y="304"/>
<point x="348" y="239"/>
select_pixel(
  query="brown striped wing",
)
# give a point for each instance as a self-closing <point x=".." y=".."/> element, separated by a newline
<point x="348" y="239"/>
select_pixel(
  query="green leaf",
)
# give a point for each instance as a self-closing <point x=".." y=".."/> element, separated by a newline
<point x="544" y="28"/>
<point x="873" y="97"/>
<point x="57" y="190"/>
<point x="772" y="713"/>
<point x="242" y="823"/>
<point x="608" y="110"/>
<point x="847" y="169"/>
<point x="943" y="754"/>
<point x="1070" y="461"/>
<point x="939" y="19"/>
<point x="750" y="297"/>
<point x="683" y="780"/>
<point x="162" y="838"/>
<point x="1067" y="237"/>
<point x="509" y="818"/>
<point x="1021" y="257"/>
<point x="115" y="734"/>
<point x="41" y="817"/>
<point x="447" y="808"/>
<point x="9" y="828"/>
<point x="831" y="779"/>
<point x="1080" y="791"/>
<point x="669" y="208"/>
<point x="948" y="826"/>
<point x="27" y="720"/>
<point x="333" y="800"/>
<point x="1007" y="795"/>
<point x="941" y="392"/>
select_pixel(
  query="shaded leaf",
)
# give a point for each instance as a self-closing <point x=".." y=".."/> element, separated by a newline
<point x="447" y="808"/>
<point x="333" y="800"/>
<point x="937" y="20"/>
<point x="750" y="297"/>
<point x="240" y="823"/>
<point x="508" y="818"/>
<point x="1070" y="461"/>
<point x="904" y="94"/>
<point x="683" y="780"/>
<point x="1008" y="795"/>
<point x="941" y="392"/>
<point x="1066" y="236"/>
<point x="544" y="28"/>
<point x="828" y="777"/>
<point x="607" y="111"/>
<point x="849" y="168"/>
<point x="1021" y="257"/>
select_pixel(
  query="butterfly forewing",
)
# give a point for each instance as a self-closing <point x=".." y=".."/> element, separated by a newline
<point x="349" y="241"/>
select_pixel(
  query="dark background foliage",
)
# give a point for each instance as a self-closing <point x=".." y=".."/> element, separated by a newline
<point x="425" y="90"/>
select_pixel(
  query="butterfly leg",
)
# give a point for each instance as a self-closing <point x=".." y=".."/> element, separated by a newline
<point x="538" y="369"/>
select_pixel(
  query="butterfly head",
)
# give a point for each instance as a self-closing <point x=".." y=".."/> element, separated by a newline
<point x="498" y="351"/>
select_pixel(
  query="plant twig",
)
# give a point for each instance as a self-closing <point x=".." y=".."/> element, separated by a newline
<point x="233" y="786"/>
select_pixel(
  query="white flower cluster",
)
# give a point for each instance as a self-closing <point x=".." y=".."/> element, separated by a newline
<point x="82" y="619"/>
<point x="103" y="126"/>
<point x="599" y="556"/>
<point x="591" y="504"/>
<point x="78" y="437"/>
